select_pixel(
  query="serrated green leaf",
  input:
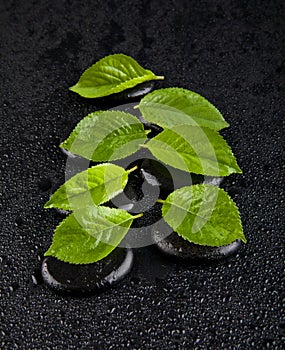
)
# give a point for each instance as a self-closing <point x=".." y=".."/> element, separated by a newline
<point x="90" y="235"/>
<point x="110" y="75"/>
<point x="204" y="215"/>
<point x="176" y="106"/>
<point x="195" y="149"/>
<point x="95" y="185"/>
<point x="105" y="136"/>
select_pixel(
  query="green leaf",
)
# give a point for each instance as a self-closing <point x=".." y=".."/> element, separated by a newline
<point x="195" y="149"/>
<point x="110" y="75"/>
<point x="105" y="136"/>
<point x="90" y="235"/>
<point x="95" y="185"/>
<point x="176" y="106"/>
<point x="204" y="215"/>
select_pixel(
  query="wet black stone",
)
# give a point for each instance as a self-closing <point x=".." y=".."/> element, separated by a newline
<point x="177" y="247"/>
<point x="139" y="196"/>
<point x="152" y="129"/>
<point x="45" y="184"/>
<point x="68" y="153"/>
<point x="87" y="278"/>
<point x="62" y="212"/>
<point x="170" y="178"/>
<point x="133" y="93"/>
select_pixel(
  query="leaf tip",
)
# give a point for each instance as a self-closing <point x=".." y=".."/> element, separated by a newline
<point x="239" y="171"/>
<point x="73" y="88"/>
<point x="62" y="144"/>
<point x="47" y="205"/>
<point x="49" y="252"/>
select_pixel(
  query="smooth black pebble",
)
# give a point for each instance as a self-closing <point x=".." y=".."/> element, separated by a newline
<point x="133" y="93"/>
<point x="177" y="247"/>
<point x="170" y="178"/>
<point x="62" y="212"/>
<point x="87" y="279"/>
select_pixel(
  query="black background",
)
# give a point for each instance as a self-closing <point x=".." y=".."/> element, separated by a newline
<point x="231" y="52"/>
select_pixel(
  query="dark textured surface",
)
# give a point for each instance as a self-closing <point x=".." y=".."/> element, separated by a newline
<point x="232" y="53"/>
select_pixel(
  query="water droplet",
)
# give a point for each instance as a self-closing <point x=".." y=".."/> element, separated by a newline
<point x="13" y="287"/>
<point x="87" y="278"/>
<point x="37" y="277"/>
<point x="179" y="248"/>
<point x="135" y="280"/>
<point x="19" y="221"/>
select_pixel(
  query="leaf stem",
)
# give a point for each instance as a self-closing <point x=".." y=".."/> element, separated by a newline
<point x="137" y="216"/>
<point x="136" y="107"/>
<point x="132" y="169"/>
<point x="143" y="145"/>
<point x="147" y="131"/>
<point x="161" y="77"/>
<point x="160" y="201"/>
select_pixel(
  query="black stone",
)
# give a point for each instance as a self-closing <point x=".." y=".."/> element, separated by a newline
<point x="177" y="247"/>
<point x="170" y="178"/>
<point x="62" y="212"/>
<point x="87" y="278"/>
<point x="133" y="93"/>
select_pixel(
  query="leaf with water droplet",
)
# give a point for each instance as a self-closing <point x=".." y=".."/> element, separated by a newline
<point x="90" y="234"/>
<point x="95" y="185"/>
<point x="110" y="75"/>
<point x="195" y="149"/>
<point x="176" y="106"/>
<point x="105" y="136"/>
<point x="203" y="214"/>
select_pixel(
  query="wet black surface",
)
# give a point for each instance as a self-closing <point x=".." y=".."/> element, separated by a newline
<point x="230" y="52"/>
